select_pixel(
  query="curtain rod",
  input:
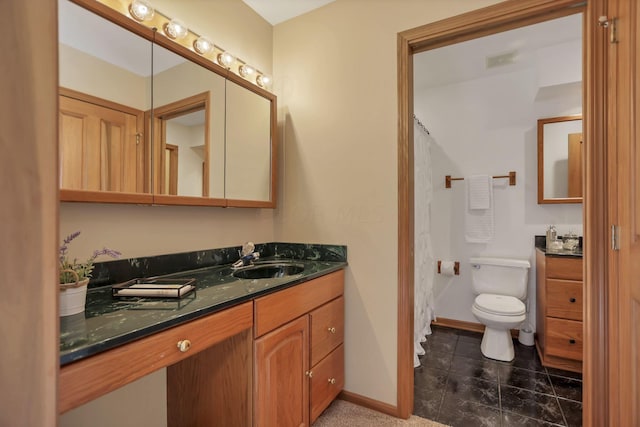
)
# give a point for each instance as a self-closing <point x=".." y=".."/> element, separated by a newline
<point x="420" y="125"/>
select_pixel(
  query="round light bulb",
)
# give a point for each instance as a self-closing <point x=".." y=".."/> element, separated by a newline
<point x="246" y="70"/>
<point x="141" y="10"/>
<point x="203" y="45"/>
<point x="175" y="29"/>
<point x="263" y="81"/>
<point x="226" y="59"/>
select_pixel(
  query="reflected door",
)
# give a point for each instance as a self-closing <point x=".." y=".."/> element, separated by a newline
<point x="100" y="147"/>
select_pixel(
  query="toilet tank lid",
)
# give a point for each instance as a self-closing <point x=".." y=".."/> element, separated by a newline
<point x="502" y="262"/>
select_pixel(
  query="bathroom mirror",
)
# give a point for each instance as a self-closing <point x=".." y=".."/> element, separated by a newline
<point x="188" y="131"/>
<point x="248" y="143"/>
<point x="104" y="76"/>
<point x="560" y="159"/>
<point x="174" y="150"/>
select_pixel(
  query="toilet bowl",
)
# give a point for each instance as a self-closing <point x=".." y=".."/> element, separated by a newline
<point x="500" y="285"/>
<point x="499" y="314"/>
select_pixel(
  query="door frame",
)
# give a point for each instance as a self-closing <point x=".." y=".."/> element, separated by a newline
<point x="500" y="17"/>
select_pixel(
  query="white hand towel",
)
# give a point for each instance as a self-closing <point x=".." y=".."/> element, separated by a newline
<point x="479" y="222"/>
<point x="478" y="191"/>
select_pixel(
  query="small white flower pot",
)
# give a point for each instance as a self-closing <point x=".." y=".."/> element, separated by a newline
<point x="73" y="297"/>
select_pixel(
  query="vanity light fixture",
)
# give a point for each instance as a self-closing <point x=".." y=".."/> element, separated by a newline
<point x="263" y="80"/>
<point x="202" y="45"/>
<point x="246" y="70"/>
<point x="175" y="29"/>
<point x="141" y="10"/>
<point x="226" y="59"/>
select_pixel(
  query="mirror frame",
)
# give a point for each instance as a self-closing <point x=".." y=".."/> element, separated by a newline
<point x="541" y="197"/>
<point x="116" y="12"/>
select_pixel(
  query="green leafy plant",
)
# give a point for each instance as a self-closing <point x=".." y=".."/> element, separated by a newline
<point x="82" y="269"/>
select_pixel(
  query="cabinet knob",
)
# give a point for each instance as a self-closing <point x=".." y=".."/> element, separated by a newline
<point x="332" y="380"/>
<point x="309" y="374"/>
<point x="572" y="300"/>
<point x="332" y="330"/>
<point x="184" y="345"/>
<point x="572" y="341"/>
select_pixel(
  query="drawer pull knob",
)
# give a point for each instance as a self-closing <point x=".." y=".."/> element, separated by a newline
<point x="332" y="330"/>
<point x="332" y="380"/>
<point x="309" y="374"/>
<point x="572" y="341"/>
<point x="572" y="300"/>
<point x="184" y="345"/>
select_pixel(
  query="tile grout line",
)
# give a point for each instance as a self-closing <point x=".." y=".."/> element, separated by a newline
<point x="553" y="388"/>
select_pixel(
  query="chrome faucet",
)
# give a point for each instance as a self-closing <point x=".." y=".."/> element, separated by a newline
<point x="247" y="255"/>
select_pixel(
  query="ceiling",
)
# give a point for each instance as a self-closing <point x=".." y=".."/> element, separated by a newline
<point x="276" y="11"/>
<point x="468" y="60"/>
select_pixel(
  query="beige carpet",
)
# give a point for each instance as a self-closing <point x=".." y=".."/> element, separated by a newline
<point x="345" y="414"/>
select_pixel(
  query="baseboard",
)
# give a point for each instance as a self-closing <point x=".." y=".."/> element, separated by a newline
<point x="369" y="403"/>
<point x="466" y="326"/>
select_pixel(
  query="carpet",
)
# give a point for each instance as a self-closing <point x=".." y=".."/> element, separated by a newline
<point x="346" y="414"/>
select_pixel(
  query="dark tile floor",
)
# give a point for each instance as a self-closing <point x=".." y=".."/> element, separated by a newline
<point x="458" y="386"/>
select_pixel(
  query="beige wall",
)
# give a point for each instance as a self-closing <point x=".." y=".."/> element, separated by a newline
<point x="335" y="77"/>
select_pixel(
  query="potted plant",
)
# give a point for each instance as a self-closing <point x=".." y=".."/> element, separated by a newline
<point x="74" y="277"/>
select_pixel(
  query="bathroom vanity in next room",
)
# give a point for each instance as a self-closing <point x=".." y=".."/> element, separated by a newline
<point x="559" y="290"/>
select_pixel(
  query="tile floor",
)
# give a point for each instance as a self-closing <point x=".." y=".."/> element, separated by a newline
<point x="458" y="386"/>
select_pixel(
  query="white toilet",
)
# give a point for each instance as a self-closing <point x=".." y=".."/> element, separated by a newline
<point x="501" y="285"/>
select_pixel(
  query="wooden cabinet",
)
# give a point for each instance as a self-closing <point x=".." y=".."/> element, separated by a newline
<point x="559" y="311"/>
<point x="208" y="370"/>
<point x="298" y="352"/>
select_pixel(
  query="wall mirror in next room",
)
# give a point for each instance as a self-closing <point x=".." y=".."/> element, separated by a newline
<point x="191" y="133"/>
<point x="560" y="159"/>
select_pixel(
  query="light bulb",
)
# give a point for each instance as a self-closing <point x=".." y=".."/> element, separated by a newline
<point x="262" y="80"/>
<point x="141" y="10"/>
<point x="226" y="59"/>
<point x="175" y="29"/>
<point x="203" y="45"/>
<point x="245" y="70"/>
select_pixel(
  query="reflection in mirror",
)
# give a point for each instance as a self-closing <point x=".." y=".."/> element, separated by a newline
<point x="181" y="134"/>
<point x="104" y="79"/>
<point x="248" y="145"/>
<point x="560" y="158"/>
<point x="188" y="115"/>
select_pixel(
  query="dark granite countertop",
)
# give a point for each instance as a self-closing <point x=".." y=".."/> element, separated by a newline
<point x="540" y="243"/>
<point x="109" y="322"/>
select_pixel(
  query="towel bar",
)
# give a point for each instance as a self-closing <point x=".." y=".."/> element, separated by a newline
<point x="511" y="176"/>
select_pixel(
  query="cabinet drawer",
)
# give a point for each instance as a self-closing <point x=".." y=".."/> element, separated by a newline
<point x="564" y="268"/>
<point x="327" y="381"/>
<point x="94" y="376"/>
<point x="327" y="329"/>
<point x="564" y="299"/>
<point x="564" y="338"/>
<point x="283" y="306"/>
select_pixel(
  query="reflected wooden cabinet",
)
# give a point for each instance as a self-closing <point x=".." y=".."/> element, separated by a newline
<point x="559" y="310"/>
<point x="101" y="145"/>
<point x="299" y="353"/>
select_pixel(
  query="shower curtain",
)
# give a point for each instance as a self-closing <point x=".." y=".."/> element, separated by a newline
<point x="424" y="262"/>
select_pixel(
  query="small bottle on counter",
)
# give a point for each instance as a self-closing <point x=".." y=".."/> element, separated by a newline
<point x="552" y="236"/>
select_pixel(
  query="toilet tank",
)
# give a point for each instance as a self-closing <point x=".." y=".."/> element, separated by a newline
<point x="501" y="276"/>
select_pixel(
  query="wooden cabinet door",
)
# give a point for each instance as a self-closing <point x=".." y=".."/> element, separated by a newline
<point x="281" y="386"/>
<point x="100" y="148"/>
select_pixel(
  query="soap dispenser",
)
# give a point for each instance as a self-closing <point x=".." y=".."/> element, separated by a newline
<point x="552" y="236"/>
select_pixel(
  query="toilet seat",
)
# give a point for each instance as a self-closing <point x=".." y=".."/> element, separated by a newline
<point x="502" y="305"/>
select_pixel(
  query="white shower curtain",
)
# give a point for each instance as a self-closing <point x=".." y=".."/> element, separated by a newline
<point x="423" y="252"/>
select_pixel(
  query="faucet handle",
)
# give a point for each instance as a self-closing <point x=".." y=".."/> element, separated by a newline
<point x="248" y="248"/>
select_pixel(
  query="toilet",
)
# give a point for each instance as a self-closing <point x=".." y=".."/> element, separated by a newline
<point x="501" y="288"/>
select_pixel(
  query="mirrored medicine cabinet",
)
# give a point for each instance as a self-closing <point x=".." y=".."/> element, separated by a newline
<point x="145" y="120"/>
<point x="560" y="159"/>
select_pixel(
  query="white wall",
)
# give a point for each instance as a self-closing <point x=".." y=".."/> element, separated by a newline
<point x="488" y="125"/>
